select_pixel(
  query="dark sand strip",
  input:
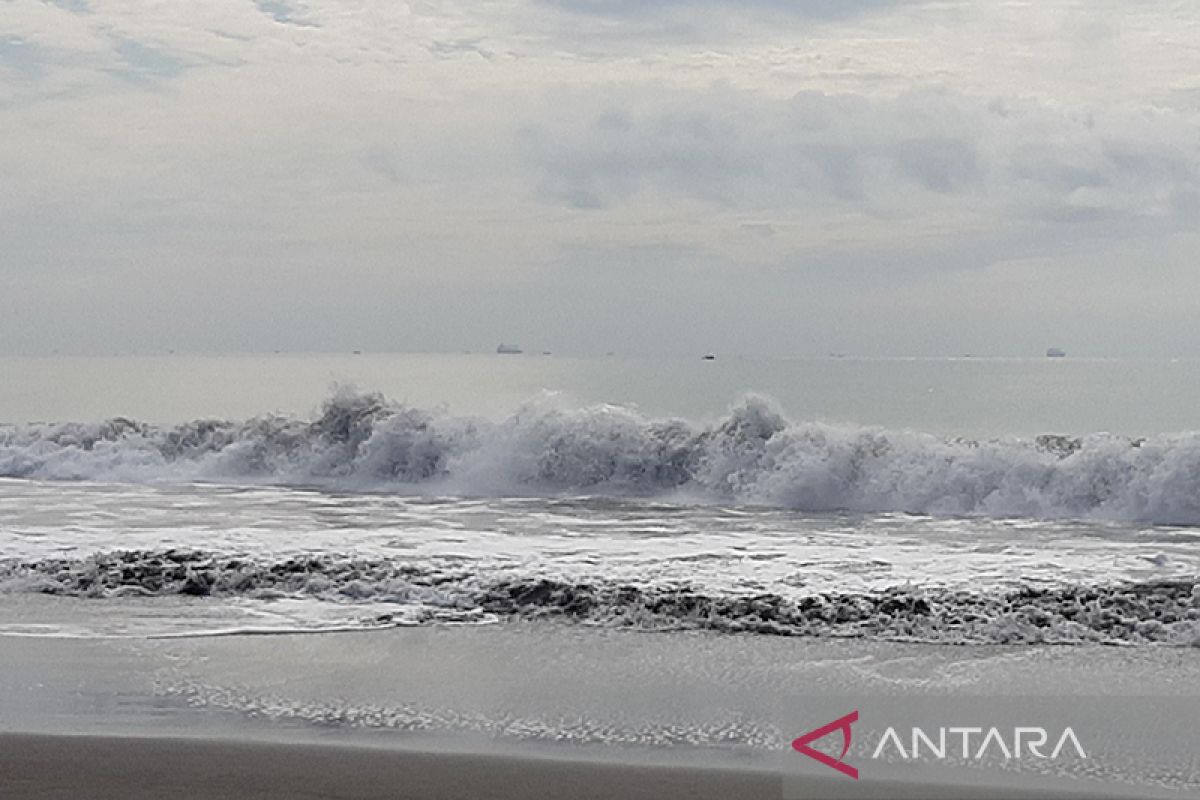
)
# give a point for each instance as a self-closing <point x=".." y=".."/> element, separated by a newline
<point x="118" y="768"/>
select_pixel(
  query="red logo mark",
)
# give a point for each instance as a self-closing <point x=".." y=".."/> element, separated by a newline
<point x="801" y="744"/>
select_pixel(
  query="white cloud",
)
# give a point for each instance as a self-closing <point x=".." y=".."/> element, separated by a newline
<point x="339" y="154"/>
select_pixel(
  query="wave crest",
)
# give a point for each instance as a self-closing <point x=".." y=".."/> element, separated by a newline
<point x="754" y="455"/>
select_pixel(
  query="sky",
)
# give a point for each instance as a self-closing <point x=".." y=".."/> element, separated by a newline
<point x="769" y="177"/>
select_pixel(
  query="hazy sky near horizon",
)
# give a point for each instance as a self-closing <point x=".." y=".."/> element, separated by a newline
<point x="765" y="176"/>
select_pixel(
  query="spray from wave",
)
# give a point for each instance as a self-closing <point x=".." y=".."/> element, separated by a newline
<point x="752" y="456"/>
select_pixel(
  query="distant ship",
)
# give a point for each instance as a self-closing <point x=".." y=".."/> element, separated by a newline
<point x="1054" y="352"/>
<point x="509" y="350"/>
<point x="709" y="357"/>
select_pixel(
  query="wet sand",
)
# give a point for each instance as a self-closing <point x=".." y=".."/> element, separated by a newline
<point x="131" y="768"/>
<point x="516" y="711"/>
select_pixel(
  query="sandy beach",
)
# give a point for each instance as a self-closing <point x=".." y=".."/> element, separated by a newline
<point x="120" y="768"/>
<point x="486" y="713"/>
<point x="130" y="768"/>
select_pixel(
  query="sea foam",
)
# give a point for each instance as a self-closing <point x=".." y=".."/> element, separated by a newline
<point x="1163" y="612"/>
<point x="753" y="455"/>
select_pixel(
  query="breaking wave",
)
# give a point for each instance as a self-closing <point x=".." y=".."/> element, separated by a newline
<point x="752" y="456"/>
<point x="1156" y="612"/>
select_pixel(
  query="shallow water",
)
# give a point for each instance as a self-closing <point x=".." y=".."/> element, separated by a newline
<point x="274" y="558"/>
<point x="582" y="692"/>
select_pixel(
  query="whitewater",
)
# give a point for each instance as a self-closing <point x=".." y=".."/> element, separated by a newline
<point x="754" y="456"/>
<point x="373" y="513"/>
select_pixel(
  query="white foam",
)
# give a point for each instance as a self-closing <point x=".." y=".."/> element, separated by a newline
<point x="752" y="456"/>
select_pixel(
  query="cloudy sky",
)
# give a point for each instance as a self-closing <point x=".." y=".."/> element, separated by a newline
<point x="646" y="176"/>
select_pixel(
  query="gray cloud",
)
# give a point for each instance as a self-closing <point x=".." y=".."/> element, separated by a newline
<point x="826" y="9"/>
<point x="284" y="13"/>
<point x="384" y="162"/>
<point x="734" y="149"/>
<point x="143" y="62"/>
<point x="22" y="59"/>
<point x="448" y="49"/>
<point x="939" y="164"/>
<point x="617" y="155"/>
<point x="74" y="6"/>
<point x="593" y="27"/>
<point x="877" y="156"/>
<point x="768" y="177"/>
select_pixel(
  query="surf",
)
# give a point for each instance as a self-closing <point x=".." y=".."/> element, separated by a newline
<point x="752" y="456"/>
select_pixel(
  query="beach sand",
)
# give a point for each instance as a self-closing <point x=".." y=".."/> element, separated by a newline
<point x="131" y="768"/>
<point x="536" y="711"/>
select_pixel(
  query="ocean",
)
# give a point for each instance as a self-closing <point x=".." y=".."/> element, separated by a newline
<point x="836" y="502"/>
<point x="801" y="497"/>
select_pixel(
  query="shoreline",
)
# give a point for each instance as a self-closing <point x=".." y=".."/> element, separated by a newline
<point x="58" y="767"/>
<point x="543" y="710"/>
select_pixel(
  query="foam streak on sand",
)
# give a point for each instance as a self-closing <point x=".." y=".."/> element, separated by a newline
<point x="752" y="456"/>
<point x="534" y="690"/>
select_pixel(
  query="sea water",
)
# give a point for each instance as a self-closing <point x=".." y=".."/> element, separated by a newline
<point x="880" y="504"/>
<point x="962" y="500"/>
